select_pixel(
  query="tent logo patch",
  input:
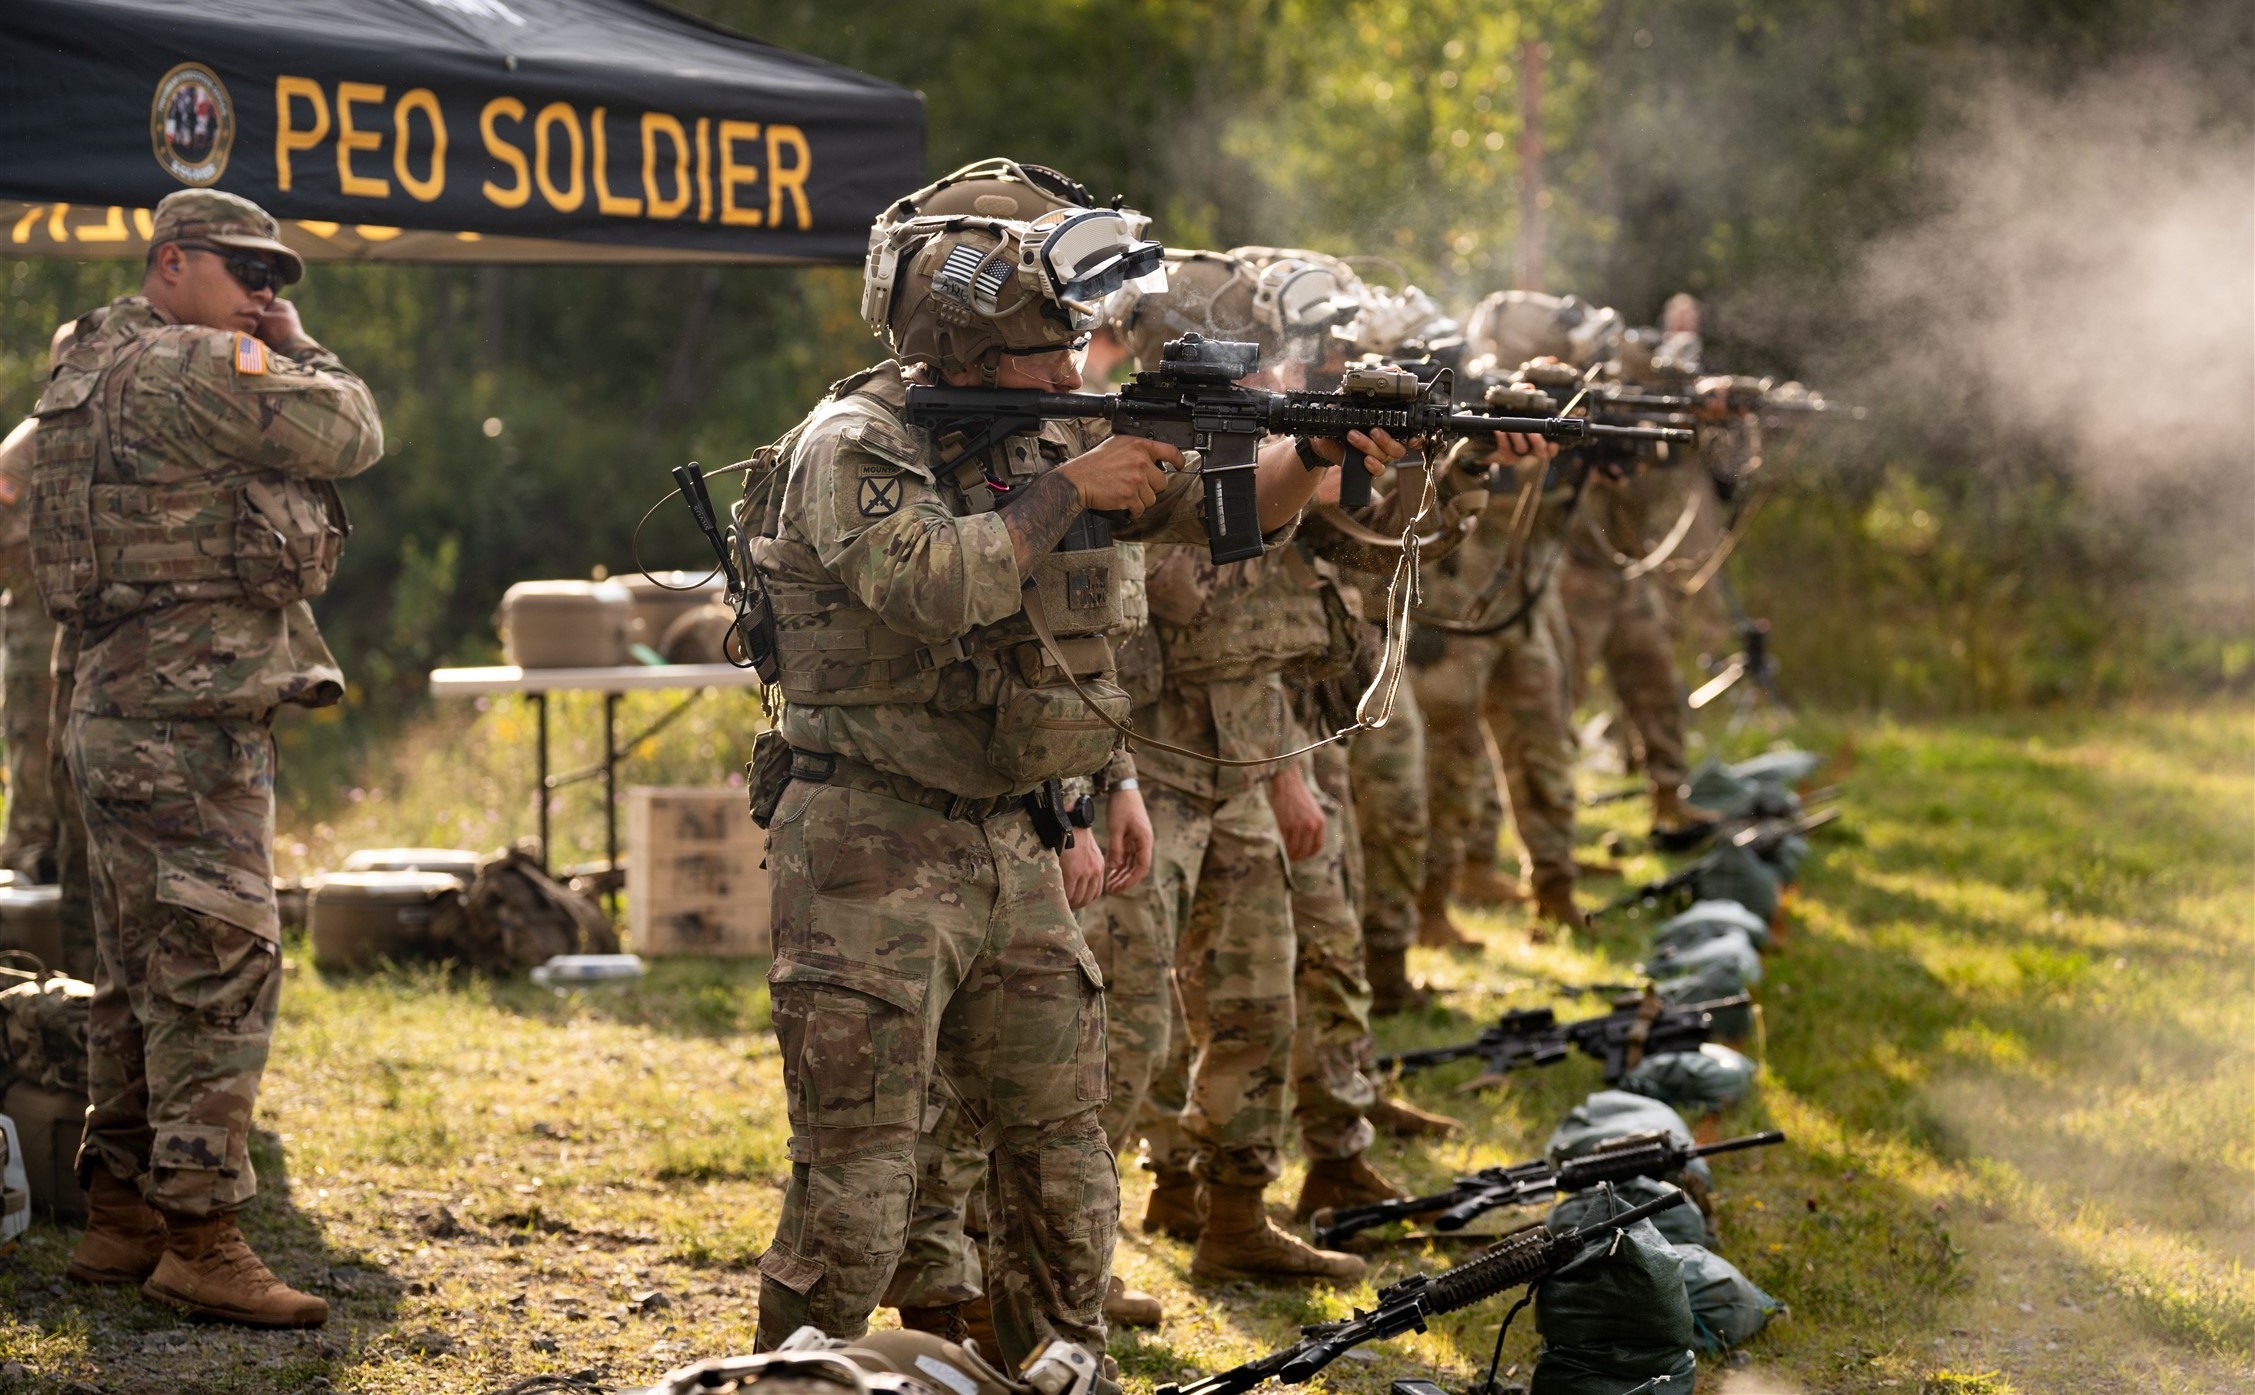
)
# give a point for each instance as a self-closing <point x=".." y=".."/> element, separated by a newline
<point x="192" y="125"/>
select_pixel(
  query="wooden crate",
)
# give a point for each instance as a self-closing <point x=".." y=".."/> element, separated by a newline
<point x="694" y="884"/>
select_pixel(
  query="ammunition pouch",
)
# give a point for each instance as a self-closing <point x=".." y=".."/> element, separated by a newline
<point x="765" y="776"/>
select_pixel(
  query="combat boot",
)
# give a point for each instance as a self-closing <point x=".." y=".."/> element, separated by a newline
<point x="1483" y="884"/>
<point x="124" y="1236"/>
<point x="1405" y="1120"/>
<point x="978" y="1323"/>
<point x="941" y="1320"/>
<point x="1672" y="813"/>
<point x="1130" y="1307"/>
<point x="1554" y="902"/>
<point x="1241" y="1242"/>
<point x="1390" y="989"/>
<point x="208" y="1269"/>
<point x="1435" y="930"/>
<point x="1336" y="1182"/>
<point x="1177" y="1206"/>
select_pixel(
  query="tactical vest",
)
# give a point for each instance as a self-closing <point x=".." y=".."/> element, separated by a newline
<point x="102" y="550"/>
<point x="835" y="651"/>
<point x="1278" y="619"/>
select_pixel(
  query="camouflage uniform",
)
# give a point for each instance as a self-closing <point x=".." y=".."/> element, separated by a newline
<point x="1624" y="623"/>
<point x="1220" y="889"/>
<point x="179" y="669"/>
<point x="1332" y="1050"/>
<point x="919" y="923"/>
<point x="1517" y="680"/>
<point x="1388" y="776"/>
<point x="27" y="687"/>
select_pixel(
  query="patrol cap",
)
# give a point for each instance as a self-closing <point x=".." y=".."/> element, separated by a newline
<point x="224" y="220"/>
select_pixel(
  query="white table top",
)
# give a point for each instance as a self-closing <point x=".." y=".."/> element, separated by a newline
<point x="628" y="678"/>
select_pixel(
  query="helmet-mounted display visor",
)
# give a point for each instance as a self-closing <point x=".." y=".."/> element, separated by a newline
<point x="1086" y="254"/>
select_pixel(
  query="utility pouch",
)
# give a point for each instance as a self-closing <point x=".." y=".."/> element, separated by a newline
<point x="767" y="773"/>
<point x="289" y="535"/>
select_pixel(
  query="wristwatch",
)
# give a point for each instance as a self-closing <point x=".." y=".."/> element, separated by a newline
<point x="1310" y="459"/>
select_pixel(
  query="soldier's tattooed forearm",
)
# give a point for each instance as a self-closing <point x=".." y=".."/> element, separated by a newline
<point x="1039" y="516"/>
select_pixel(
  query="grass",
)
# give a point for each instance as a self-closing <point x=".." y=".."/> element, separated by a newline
<point x="2005" y="1031"/>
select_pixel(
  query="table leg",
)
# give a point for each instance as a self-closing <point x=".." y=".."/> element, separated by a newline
<point x="611" y="799"/>
<point x="541" y="791"/>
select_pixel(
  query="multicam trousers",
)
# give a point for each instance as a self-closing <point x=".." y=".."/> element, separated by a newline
<point x="180" y="835"/>
<point x="1332" y="1049"/>
<point x="1518" y="680"/>
<point x="1390" y="814"/>
<point x="1625" y="625"/>
<point x="908" y="942"/>
<point x="27" y="687"/>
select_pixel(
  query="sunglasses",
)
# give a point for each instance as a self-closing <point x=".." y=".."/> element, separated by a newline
<point x="250" y="270"/>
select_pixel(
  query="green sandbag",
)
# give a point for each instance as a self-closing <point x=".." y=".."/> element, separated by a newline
<point x="1678" y="1225"/>
<point x="1710" y="920"/>
<point x="1609" y="1114"/>
<point x="1733" y="873"/>
<point x="1786" y="858"/>
<point x="1731" y="956"/>
<point x="1726" y="1308"/>
<point x="1701" y="1082"/>
<point x="1616" y="1319"/>
<point x="1778" y="769"/>
<point x="1716" y="786"/>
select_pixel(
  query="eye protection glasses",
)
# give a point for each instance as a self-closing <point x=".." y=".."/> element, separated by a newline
<point x="250" y="270"/>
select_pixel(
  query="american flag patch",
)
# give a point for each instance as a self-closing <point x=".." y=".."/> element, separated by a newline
<point x="250" y="355"/>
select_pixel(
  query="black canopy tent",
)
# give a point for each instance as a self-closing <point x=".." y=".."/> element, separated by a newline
<point x="443" y="130"/>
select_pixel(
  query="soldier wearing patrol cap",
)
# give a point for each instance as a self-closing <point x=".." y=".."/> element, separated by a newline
<point x="184" y="511"/>
<point x="920" y="922"/>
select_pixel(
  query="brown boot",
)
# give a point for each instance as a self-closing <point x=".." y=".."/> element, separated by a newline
<point x="1130" y="1307"/>
<point x="1177" y="1206"/>
<point x="1391" y="991"/>
<point x="1335" y="1182"/>
<point x="944" y="1321"/>
<point x="1483" y="884"/>
<point x="124" y="1236"/>
<point x="1672" y="813"/>
<point x="1554" y="902"/>
<point x="1405" y="1120"/>
<point x="1435" y="930"/>
<point x="978" y="1323"/>
<point x="208" y="1269"/>
<point x="1241" y="1242"/>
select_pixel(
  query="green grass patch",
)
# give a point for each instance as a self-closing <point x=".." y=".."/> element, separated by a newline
<point x="2005" y="1028"/>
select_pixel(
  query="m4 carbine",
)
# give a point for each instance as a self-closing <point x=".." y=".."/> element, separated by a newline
<point x="1531" y="1183"/>
<point x="1523" y="1257"/>
<point x="1191" y="401"/>
<point x="1639" y="1025"/>
<point x="1761" y="839"/>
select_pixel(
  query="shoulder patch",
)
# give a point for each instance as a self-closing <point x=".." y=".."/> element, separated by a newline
<point x="879" y="495"/>
<point x="250" y="356"/>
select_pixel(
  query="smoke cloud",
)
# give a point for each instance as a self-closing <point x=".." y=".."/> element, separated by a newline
<point x="2085" y="276"/>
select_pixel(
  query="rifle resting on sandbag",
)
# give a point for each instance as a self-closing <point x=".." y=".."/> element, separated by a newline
<point x="1761" y="840"/>
<point x="1523" y="1257"/>
<point x="1191" y="401"/>
<point x="1531" y="1183"/>
<point x="1639" y="1025"/>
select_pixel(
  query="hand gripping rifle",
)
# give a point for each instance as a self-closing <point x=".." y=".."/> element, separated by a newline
<point x="1524" y="1257"/>
<point x="1531" y="1183"/>
<point x="1761" y="839"/>
<point x="1639" y="1025"/>
<point x="1191" y="401"/>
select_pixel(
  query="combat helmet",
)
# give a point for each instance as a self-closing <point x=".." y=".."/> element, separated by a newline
<point x="1514" y="326"/>
<point x="1207" y="293"/>
<point x="949" y="285"/>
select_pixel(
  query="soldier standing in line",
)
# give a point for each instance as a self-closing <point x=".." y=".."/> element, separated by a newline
<point x="27" y="684"/>
<point x="183" y="512"/>
<point x="920" y="922"/>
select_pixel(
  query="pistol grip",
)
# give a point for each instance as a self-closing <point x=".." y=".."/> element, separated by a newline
<point x="1354" y="481"/>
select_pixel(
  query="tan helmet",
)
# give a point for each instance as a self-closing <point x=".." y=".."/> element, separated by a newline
<point x="1514" y="326"/>
<point x="1207" y="293"/>
<point x="959" y="289"/>
<point x="1391" y="319"/>
<point x="995" y="188"/>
